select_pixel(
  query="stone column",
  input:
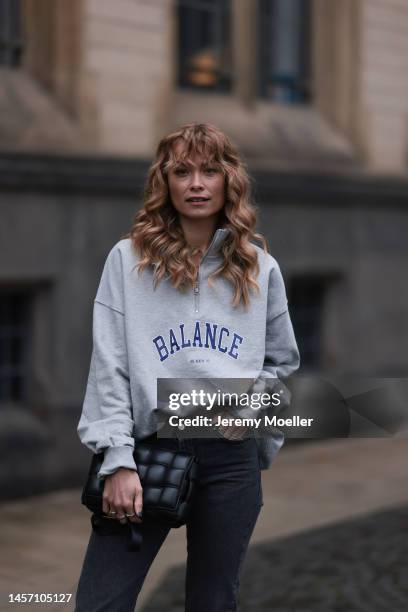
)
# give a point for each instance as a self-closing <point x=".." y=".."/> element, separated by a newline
<point x="245" y="54"/>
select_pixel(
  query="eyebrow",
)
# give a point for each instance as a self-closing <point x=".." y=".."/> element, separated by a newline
<point x="187" y="162"/>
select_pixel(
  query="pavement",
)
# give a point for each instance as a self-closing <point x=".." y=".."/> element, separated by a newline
<point x="321" y="500"/>
<point x="357" y="565"/>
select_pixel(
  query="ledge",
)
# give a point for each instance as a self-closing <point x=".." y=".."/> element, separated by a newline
<point x="125" y="177"/>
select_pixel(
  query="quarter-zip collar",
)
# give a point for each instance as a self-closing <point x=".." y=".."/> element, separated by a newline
<point x="216" y="243"/>
<point x="211" y="253"/>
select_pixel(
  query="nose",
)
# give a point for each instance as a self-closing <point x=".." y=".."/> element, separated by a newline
<point x="196" y="181"/>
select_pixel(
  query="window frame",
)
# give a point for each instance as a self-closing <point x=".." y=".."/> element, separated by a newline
<point x="325" y="282"/>
<point x="25" y="332"/>
<point x="223" y="12"/>
<point x="297" y="89"/>
<point x="11" y="42"/>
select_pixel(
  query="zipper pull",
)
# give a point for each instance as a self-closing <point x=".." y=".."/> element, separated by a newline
<point x="196" y="292"/>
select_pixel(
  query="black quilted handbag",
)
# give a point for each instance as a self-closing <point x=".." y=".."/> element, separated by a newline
<point x="168" y="479"/>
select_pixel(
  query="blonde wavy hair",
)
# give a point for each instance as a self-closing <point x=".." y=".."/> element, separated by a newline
<point x="157" y="235"/>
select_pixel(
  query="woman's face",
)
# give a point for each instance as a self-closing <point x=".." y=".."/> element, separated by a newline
<point x="197" y="189"/>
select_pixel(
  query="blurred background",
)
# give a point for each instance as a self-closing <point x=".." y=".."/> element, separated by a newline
<point x="315" y="95"/>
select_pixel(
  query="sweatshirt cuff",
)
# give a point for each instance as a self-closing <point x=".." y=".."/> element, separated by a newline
<point x="116" y="457"/>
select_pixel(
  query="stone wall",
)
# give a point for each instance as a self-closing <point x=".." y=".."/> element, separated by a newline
<point x="384" y="83"/>
<point x="127" y="49"/>
<point x="101" y="77"/>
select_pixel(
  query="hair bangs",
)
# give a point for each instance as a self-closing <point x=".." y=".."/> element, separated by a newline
<point x="192" y="144"/>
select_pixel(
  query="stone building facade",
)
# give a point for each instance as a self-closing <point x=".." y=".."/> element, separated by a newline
<point x="314" y="93"/>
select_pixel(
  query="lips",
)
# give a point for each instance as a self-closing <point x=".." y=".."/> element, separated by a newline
<point x="197" y="200"/>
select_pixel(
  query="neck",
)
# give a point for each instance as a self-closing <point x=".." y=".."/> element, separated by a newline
<point x="199" y="232"/>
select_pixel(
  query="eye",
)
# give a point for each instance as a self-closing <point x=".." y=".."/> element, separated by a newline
<point x="180" y="171"/>
<point x="210" y="170"/>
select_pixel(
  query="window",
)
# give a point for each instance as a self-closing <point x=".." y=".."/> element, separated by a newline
<point x="204" y="44"/>
<point x="10" y="33"/>
<point x="284" y="50"/>
<point x="15" y="307"/>
<point x="306" y="296"/>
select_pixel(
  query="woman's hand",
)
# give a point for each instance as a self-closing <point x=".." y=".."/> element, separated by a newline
<point x="123" y="494"/>
<point x="232" y="432"/>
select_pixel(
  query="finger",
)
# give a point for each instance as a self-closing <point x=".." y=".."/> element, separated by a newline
<point x="136" y="512"/>
<point x="227" y="432"/>
<point x="121" y="517"/>
<point x="105" y="502"/>
<point x="120" y="513"/>
<point x="138" y="504"/>
<point x="112" y="512"/>
<point x="132" y="516"/>
<point x="129" y="510"/>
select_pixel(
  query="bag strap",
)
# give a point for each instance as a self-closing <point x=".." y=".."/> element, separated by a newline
<point x="136" y="537"/>
<point x="99" y="525"/>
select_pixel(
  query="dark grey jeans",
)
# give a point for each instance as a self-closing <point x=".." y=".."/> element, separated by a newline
<point x="225" y="510"/>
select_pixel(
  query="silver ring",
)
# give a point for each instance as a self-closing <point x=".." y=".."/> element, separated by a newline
<point x="128" y="515"/>
<point x="120" y="518"/>
<point x="112" y="512"/>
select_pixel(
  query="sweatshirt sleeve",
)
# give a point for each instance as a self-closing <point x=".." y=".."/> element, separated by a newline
<point x="106" y="422"/>
<point x="281" y="352"/>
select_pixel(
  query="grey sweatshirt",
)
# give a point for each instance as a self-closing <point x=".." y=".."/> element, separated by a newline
<point x="141" y="334"/>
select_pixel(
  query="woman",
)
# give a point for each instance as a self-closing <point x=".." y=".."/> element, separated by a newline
<point x="184" y="294"/>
